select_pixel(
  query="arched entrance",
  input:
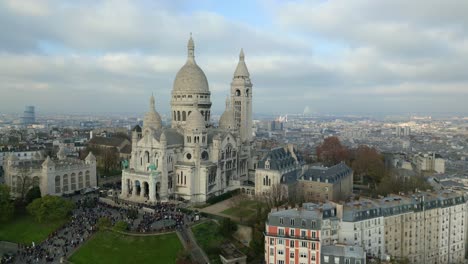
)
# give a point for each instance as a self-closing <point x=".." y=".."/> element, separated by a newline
<point x="158" y="189"/>
<point x="146" y="189"/>
<point x="129" y="186"/>
<point x="137" y="188"/>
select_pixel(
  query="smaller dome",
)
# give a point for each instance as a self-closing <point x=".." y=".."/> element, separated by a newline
<point x="195" y="121"/>
<point x="152" y="118"/>
<point x="227" y="118"/>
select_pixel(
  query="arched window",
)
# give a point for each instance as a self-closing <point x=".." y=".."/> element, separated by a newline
<point x="57" y="184"/>
<point x="147" y="156"/>
<point x="88" y="179"/>
<point x="238" y="93"/>
<point x="202" y="113"/>
<point x="178" y="115"/>
<point x="73" y="181"/>
<point x="80" y="180"/>
<point x="247" y="93"/>
<point x="181" y="176"/>
<point x="189" y="112"/>
<point x="178" y="178"/>
<point x="184" y="117"/>
<point x="174" y="116"/>
<point x="185" y="180"/>
<point x="203" y="139"/>
<point x="65" y="183"/>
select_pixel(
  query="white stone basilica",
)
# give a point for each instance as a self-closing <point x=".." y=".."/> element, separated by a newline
<point x="192" y="159"/>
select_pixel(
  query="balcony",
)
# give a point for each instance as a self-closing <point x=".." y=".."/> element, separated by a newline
<point x="291" y="237"/>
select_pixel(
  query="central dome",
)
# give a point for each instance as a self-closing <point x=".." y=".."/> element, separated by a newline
<point x="191" y="77"/>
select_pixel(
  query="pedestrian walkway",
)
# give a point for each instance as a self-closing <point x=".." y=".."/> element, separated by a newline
<point x="188" y="241"/>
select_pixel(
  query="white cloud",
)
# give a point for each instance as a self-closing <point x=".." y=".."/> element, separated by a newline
<point x="110" y="55"/>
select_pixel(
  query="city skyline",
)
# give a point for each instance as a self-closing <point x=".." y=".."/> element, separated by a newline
<point x="108" y="57"/>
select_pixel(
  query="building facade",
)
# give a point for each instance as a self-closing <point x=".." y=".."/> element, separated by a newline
<point x="278" y="171"/>
<point x="320" y="184"/>
<point x="295" y="235"/>
<point x="53" y="176"/>
<point x="192" y="159"/>
<point x="425" y="227"/>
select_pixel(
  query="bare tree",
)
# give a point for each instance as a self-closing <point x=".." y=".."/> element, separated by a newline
<point x="24" y="182"/>
<point x="296" y="194"/>
<point x="276" y="196"/>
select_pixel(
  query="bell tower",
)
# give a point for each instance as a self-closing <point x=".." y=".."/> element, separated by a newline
<point x="241" y="99"/>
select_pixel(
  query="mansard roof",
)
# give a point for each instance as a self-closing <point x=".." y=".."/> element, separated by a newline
<point x="280" y="158"/>
<point x="331" y="174"/>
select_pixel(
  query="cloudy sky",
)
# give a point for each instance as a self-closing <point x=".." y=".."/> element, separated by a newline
<point x="338" y="56"/>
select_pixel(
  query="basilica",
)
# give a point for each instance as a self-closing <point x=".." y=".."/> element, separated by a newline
<point x="192" y="159"/>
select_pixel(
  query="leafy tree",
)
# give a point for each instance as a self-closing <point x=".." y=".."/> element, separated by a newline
<point x="33" y="194"/>
<point x="332" y="152"/>
<point x="6" y="205"/>
<point x="104" y="223"/>
<point x="121" y="226"/>
<point x="50" y="208"/>
<point x="227" y="227"/>
<point x="368" y="162"/>
<point x="393" y="184"/>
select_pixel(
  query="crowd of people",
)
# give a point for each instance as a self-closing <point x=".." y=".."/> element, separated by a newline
<point x="84" y="222"/>
<point x="166" y="214"/>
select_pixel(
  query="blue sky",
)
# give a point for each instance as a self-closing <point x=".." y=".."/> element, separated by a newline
<point x="352" y="56"/>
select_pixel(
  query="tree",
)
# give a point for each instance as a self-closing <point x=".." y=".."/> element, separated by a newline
<point x="50" y="208"/>
<point x="392" y="183"/>
<point x="332" y="152"/>
<point x="276" y="196"/>
<point x="227" y="228"/>
<point x="24" y="182"/>
<point x="6" y="205"/>
<point x="33" y="194"/>
<point x="296" y="194"/>
<point x="368" y="162"/>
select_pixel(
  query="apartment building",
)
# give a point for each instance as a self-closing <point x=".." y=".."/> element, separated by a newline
<point x="321" y="184"/>
<point x="295" y="236"/>
<point x="425" y="227"/>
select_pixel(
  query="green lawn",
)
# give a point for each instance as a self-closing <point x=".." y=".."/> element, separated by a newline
<point x="245" y="210"/>
<point x="208" y="238"/>
<point x="24" y="229"/>
<point x="110" y="247"/>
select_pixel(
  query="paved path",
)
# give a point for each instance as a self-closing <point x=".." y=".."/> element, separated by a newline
<point x="217" y="208"/>
<point x="188" y="241"/>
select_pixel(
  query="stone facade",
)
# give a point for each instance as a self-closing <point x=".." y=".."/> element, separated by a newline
<point x="192" y="159"/>
<point x="320" y="184"/>
<point x="278" y="171"/>
<point x="54" y="177"/>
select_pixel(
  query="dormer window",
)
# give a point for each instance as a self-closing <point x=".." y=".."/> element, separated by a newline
<point x="267" y="164"/>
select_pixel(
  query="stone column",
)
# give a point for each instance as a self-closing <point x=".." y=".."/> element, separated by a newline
<point x="124" y="193"/>
<point x="143" y="190"/>
<point x="152" y="191"/>
<point x="134" y="189"/>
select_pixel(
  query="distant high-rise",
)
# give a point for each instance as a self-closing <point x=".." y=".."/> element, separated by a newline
<point x="402" y="131"/>
<point x="29" y="117"/>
